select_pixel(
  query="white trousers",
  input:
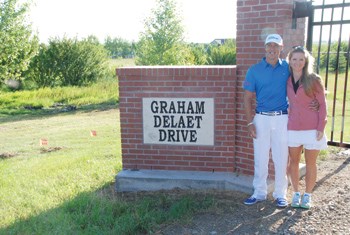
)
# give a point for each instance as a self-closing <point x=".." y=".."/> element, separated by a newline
<point x="271" y="134"/>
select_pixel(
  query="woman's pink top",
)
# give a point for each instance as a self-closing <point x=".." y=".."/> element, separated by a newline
<point x="301" y="117"/>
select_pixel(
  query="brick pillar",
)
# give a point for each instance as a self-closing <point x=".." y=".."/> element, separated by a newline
<point x="255" y="20"/>
<point x="216" y="83"/>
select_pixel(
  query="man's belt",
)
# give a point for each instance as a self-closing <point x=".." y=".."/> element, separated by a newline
<point x="273" y="113"/>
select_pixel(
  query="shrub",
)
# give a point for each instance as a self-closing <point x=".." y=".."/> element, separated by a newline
<point x="68" y="62"/>
<point x="223" y="54"/>
<point x="200" y="53"/>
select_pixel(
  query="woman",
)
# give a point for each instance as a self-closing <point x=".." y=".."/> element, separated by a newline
<point x="305" y="126"/>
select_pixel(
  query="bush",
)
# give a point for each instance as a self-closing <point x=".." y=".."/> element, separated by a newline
<point x="223" y="54"/>
<point x="200" y="53"/>
<point x="17" y="43"/>
<point x="68" y="62"/>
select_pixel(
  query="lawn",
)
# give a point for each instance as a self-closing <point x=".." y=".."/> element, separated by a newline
<point x="37" y="178"/>
<point x="66" y="185"/>
<point x="338" y="100"/>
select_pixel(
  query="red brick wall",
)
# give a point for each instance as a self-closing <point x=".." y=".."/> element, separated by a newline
<point x="218" y="82"/>
<point x="233" y="150"/>
<point x="256" y="19"/>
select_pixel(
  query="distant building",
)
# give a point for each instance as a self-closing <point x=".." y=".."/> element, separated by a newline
<point x="219" y="41"/>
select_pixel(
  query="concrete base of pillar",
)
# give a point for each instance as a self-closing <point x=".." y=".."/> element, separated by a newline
<point x="153" y="180"/>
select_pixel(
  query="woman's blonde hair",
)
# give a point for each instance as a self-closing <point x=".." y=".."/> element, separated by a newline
<point x="309" y="79"/>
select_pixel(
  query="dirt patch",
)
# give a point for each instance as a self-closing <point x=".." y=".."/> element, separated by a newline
<point x="7" y="155"/>
<point x="42" y="150"/>
<point x="329" y="214"/>
<point x="50" y="149"/>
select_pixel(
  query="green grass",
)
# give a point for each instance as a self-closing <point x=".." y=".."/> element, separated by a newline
<point x="67" y="186"/>
<point x="105" y="92"/>
<point x="337" y="123"/>
<point x="23" y="102"/>
<point x="116" y="63"/>
<point x="38" y="178"/>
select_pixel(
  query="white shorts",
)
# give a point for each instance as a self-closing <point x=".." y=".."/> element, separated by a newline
<point x="307" y="139"/>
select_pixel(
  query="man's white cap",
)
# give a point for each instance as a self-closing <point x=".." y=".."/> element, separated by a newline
<point x="276" y="38"/>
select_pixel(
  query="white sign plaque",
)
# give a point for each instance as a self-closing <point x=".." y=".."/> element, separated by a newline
<point x="178" y="121"/>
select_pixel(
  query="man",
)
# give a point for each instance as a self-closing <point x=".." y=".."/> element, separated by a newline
<point x="267" y="81"/>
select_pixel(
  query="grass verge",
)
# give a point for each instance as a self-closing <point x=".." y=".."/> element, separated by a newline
<point x="49" y="100"/>
<point x="67" y="186"/>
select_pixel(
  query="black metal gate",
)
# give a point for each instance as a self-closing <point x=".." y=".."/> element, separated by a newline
<point x="329" y="41"/>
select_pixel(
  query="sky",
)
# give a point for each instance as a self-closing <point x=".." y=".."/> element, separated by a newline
<point x="203" y="21"/>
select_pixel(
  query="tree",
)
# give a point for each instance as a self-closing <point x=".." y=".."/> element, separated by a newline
<point x="119" y="47"/>
<point x="93" y="40"/>
<point x="332" y="60"/>
<point x="223" y="54"/>
<point x="17" y="44"/>
<point x="162" y="43"/>
<point x="338" y="62"/>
